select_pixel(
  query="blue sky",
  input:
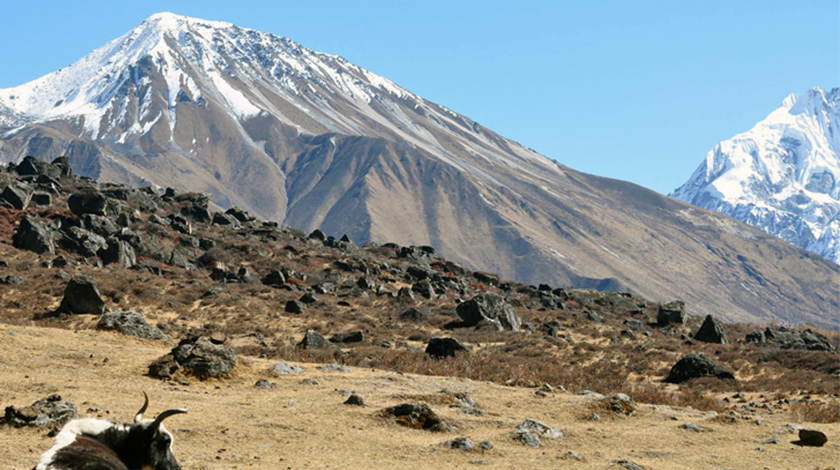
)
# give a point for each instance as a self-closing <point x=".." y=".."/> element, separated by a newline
<point x="638" y="91"/>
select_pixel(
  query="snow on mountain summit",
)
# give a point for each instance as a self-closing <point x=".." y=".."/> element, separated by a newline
<point x="782" y="176"/>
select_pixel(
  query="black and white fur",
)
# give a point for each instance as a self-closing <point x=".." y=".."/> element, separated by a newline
<point x="98" y="444"/>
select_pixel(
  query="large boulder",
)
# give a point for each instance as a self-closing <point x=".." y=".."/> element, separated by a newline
<point x="82" y="296"/>
<point x="130" y="323"/>
<point x="87" y="201"/>
<point x="711" y="331"/>
<point x="51" y="411"/>
<point x="35" y="235"/>
<point x="697" y="365"/>
<point x="489" y="308"/>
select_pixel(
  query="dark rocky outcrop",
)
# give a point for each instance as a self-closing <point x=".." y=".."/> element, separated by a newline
<point x="697" y="365"/>
<point x="118" y="252"/>
<point x="51" y="411"/>
<point x="82" y="296"/>
<point x="489" y="308"/>
<point x="711" y="331"/>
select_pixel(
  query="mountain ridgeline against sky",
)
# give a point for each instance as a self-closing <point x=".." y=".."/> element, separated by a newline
<point x="313" y="141"/>
<point x="782" y="176"/>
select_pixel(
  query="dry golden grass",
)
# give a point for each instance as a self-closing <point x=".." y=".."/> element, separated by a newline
<point x="233" y="425"/>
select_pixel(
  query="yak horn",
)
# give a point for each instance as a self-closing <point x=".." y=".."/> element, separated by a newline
<point x="166" y="414"/>
<point x="139" y="414"/>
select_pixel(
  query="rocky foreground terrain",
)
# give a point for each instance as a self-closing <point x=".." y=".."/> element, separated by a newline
<point x="297" y="350"/>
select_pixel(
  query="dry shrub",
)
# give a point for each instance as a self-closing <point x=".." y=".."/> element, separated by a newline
<point x="816" y="411"/>
<point x="659" y="395"/>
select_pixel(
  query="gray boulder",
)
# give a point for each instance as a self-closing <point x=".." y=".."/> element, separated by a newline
<point x="130" y="323"/>
<point x="82" y="296"/>
<point x="489" y="308"/>
<point x="529" y="438"/>
<point x="51" y="411"/>
<point x="34" y="234"/>
<point x="83" y="241"/>
<point x="417" y="416"/>
<point x="697" y="365"/>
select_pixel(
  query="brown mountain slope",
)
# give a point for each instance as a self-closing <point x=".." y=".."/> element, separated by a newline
<point x="314" y="141"/>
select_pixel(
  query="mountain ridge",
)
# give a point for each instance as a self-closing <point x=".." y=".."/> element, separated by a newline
<point x="351" y="152"/>
<point x="782" y="176"/>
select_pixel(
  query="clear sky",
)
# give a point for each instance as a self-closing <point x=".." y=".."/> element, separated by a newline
<point x="637" y="90"/>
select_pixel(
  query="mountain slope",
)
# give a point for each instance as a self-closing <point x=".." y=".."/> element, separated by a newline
<point x="782" y="176"/>
<point x="314" y="141"/>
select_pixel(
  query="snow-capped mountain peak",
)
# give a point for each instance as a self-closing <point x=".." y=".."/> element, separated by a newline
<point x="782" y="176"/>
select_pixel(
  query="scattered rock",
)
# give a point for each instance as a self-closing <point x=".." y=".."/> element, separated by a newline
<point x="460" y="443"/>
<point x="416" y="314"/>
<point x="621" y="403"/>
<point x="530" y="439"/>
<point x="417" y="416"/>
<point x="294" y="306"/>
<point x="263" y="383"/>
<point x="672" y="313"/>
<point x="444" y="347"/>
<point x="313" y="340"/>
<point x="82" y="296"/>
<point x="691" y="427"/>
<point x="334" y="367"/>
<point x="711" y="331"/>
<point x="51" y="411"/>
<point x="489" y="308"/>
<point x="485" y="445"/>
<point x="351" y="337"/>
<point x="539" y="428"/>
<point x="87" y="201"/>
<point x="130" y="323"/>
<point x="574" y="455"/>
<point x="355" y="400"/>
<point x="812" y="437"/>
<point x="282" y="368"/>
<point x="197" y="356"/>
<point x="34" y="234"/>
<point x="629" y="465"/>
<point x="697" y="365"/>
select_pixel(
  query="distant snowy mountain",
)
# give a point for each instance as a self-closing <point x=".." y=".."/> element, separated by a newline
<point x="314" y="141"/>
<point x="782" y="176"/>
